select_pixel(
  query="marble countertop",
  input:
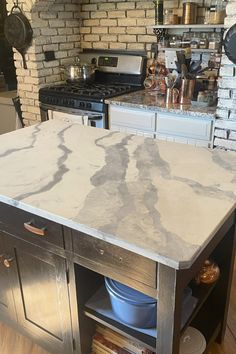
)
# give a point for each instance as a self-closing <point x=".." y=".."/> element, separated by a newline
<point x="149" y="100"/>
<point x="159" y="199"/>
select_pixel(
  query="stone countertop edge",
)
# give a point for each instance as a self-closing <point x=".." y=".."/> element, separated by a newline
<point x="111" y="239"/>
<point x="193" y="112"/>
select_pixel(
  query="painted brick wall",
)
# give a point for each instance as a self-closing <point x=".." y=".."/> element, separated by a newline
<point x="225" y="127"/>
<point x="117" y="24"/>
<point x="55" y="25"/>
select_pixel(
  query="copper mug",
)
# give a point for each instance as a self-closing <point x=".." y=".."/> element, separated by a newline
<point x="186" y="91"/>
<point x="172" y="96"/>
<point x="150" y="82"/>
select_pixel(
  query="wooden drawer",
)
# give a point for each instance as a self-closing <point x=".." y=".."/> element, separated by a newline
<point x="115" y="258"/>
<point x="15" y="221"/>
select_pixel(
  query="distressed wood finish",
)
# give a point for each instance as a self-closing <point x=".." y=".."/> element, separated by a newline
<point x="121" y="261"/>
<point x="44" y="290"/>
<point x="169" y="310"/>
<point x="38" y="281"/>
<point x="12" y="220"/>
<point x="7" y="306"/>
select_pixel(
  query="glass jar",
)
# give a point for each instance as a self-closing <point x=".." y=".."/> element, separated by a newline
<point x="217" y="12"/>
<point x="221" y="11"/>
<point x="203" y="43"/>
<point x="164" y="42"/>
<point x="186" y="40"/>
<point x="207" y="16"/>
<point x="158" y="12"/>
<point x="214" y="41"/>
<point x="175" y="41"/>
<point x="170" y="18"/>
<point x="195" y="39"/>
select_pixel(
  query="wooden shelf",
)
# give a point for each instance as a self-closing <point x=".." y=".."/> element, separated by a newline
<point x="193" y="50"/>
<point x="99" y="309"/>
<point x="201" y="292"/>
<point x="198" y="26"/>
<point x="201" y="322"/>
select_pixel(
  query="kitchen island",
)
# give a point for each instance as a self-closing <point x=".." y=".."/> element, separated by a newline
<point x="78" y="203"/>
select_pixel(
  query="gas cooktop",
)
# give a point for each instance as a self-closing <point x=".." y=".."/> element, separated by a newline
<point x="116" y="74"/>
<point x="97" y="91"/>
<point x="89" y="96"/>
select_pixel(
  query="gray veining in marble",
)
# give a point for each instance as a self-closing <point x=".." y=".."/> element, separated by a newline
<point x="149" y="100"/>
<point x="159" y="199"/>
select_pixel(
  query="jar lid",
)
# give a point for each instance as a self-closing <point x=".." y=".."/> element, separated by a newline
<point x="127" y="293"/>
<point x="192" y="342"/>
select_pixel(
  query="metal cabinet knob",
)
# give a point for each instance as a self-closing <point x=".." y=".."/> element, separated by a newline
<point x="7" y="262"/>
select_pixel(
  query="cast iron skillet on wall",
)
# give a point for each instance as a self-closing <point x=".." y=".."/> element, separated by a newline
<point x="18" y="31"/>
<point x="230" y="44"/>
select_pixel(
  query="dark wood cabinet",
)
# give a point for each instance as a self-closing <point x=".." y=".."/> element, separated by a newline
<point x="7" y="305"/>
<point x="52" y="286"/>
<point x="37" y="281"/>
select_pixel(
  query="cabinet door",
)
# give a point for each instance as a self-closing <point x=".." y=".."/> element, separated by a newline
<point x="187" y="129"/>
<point x="7" y="306"/>
<point x="137" y="119"/>
<point x="41" y="296"/>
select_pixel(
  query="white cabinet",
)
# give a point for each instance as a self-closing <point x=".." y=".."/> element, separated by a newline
<point x="186" y="129"/>
<point x="138" y="121"/>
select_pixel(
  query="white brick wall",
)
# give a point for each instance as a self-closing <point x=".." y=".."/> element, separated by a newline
<point x="225" y="128"/>
<point x="117" y="24"/>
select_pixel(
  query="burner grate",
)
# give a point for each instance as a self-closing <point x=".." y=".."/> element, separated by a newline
<point x="90" y="90"/>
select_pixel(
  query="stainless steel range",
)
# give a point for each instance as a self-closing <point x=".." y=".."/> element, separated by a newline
<point x="116" y="74"/>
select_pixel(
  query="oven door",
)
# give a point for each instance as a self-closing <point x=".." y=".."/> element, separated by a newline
<point x="93" y="119"/>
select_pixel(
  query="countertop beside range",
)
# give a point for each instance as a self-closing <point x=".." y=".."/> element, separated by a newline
<point x="162" y="200"/>
<point x="149" y="100"/>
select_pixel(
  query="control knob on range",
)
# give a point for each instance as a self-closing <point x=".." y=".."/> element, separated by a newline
<point x="88" y="105"/>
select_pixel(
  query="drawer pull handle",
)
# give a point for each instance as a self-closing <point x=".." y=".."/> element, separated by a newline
<point x="101" y="252"/>
<point x="7" y="262"/>
<point x="34" y="230"/>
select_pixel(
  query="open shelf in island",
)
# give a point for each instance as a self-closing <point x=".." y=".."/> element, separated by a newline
<point x="201" y="292"/>
<point x="99" y="309"/>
